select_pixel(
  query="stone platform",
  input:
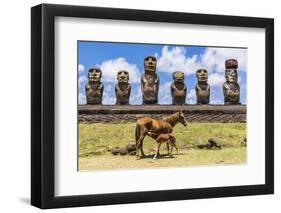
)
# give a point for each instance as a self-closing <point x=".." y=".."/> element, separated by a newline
<point x="193" y="113"/>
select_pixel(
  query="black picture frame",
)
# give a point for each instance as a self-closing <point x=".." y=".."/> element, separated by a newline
<point x="43" y="105"/>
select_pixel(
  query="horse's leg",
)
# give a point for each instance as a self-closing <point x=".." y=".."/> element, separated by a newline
<point x="142" y="153"/>
<point x="139" y="144"/>
<point x="156" y="153"/>
<point x="168" y="147"/>
<point x="171" y="150"/>
<point x="175" y="145"/>
<point x="144" y="132"/>
<point x="176" y="148"/>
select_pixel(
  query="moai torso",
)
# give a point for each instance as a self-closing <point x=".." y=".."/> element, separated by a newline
<point x="231" y="88"/>
<point x="178" y="88"/>
<point x="122" y="88"/>
<point x="150" y="81"/>
<point x="202" y="87"/>
<point x="94" y="87"/>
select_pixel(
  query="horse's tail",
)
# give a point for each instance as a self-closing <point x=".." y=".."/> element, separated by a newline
<point x="137" y="132"/>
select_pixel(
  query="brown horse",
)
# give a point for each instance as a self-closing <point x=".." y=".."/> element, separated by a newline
<point x="148" y="125"/>
<point x="170" y="141"/>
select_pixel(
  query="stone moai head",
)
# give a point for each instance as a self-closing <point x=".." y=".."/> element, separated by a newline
<point x="122" y="88"/>
<point x="123" y="76"/>
<point x="94" y="87"/>
<point x="231" y="66"/>
<point x="178" y="77"/>
<point x="150" y="81"/>
<point x="231" y="88"/>
<point x="150" y="63"/>
<point x="94" y="75"/>
<point x="202" y="87"/>
<point x="178" y="88"/>
<point x="202" y="75"/>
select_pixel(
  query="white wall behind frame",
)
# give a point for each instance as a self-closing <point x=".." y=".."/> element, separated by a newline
<point x="15" y="134"/>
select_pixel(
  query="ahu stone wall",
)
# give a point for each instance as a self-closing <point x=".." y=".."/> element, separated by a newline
<point x="193" y="113"/>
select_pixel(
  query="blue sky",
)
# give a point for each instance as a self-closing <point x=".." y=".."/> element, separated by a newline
<point x="112" y="57"/>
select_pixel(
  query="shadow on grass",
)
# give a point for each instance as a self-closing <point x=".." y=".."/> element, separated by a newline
<point x="161" y="156"/>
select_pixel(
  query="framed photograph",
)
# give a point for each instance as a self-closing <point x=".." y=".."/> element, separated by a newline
<point x="140" y="106"/>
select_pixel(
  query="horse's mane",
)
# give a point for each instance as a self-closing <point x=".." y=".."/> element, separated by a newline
<point x="172" y="119"/>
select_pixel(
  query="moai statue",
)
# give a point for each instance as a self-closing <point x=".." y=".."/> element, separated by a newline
<point x="178" y="88"/>
<point x="122" y="88"/>
<point x="150" y="81"/>
<point x="94" y="87"/>
<point x="231" y="88"/>
<point x="202" y="87"/>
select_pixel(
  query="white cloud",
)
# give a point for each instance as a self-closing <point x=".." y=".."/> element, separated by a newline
<point x="164" y="96"/>
<point x="191" y="97"/>
<point x="81" y="68"/>
<point x="174" y="59"/>
<point x="239" y="79"/>
<point x="216" y="79"/>
<point x="136" y="95"/>
<point x="111" y="67"/>
<point x="216" y="101"/>
<point x="109" y="88"/>
<point x="108" y="98"/>
<point x="213" y="59"/>
<point x="82" y="98"/>
<point x="82" y="81"/>
<point x="216" y="95"/>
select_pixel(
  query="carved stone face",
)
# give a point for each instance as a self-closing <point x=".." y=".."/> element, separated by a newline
<point x="231" y="75"/>
<point x="202" y="75"/>
<point x="123" y="76"/>
<point x="178" y="76"/>
<point x="94" y="75"/>
<point x="150" y="64"/>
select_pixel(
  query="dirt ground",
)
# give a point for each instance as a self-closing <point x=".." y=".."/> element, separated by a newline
<point x="192" y="157"/>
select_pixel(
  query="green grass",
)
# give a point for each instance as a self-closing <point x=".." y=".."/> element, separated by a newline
<point x="96" y="139"/>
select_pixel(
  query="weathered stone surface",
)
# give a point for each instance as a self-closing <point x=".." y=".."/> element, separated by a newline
<point x="131" y="147"/>
<point x="231" y="64"/>
<point x="202" y="87"/>
<point x="178" y="88"/>
<point x="115" y="150"/>
<point x="193" y="113"/>
<point x="122" y="88"/>
<point x="94" y="87"/>
<point x="231" y="88"/>
<point x="150" y="81"/>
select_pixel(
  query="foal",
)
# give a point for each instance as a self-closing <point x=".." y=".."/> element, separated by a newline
<point x="170" y="141"/>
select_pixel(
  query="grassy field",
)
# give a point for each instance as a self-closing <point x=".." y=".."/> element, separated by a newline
<point x="95" y="141"/>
